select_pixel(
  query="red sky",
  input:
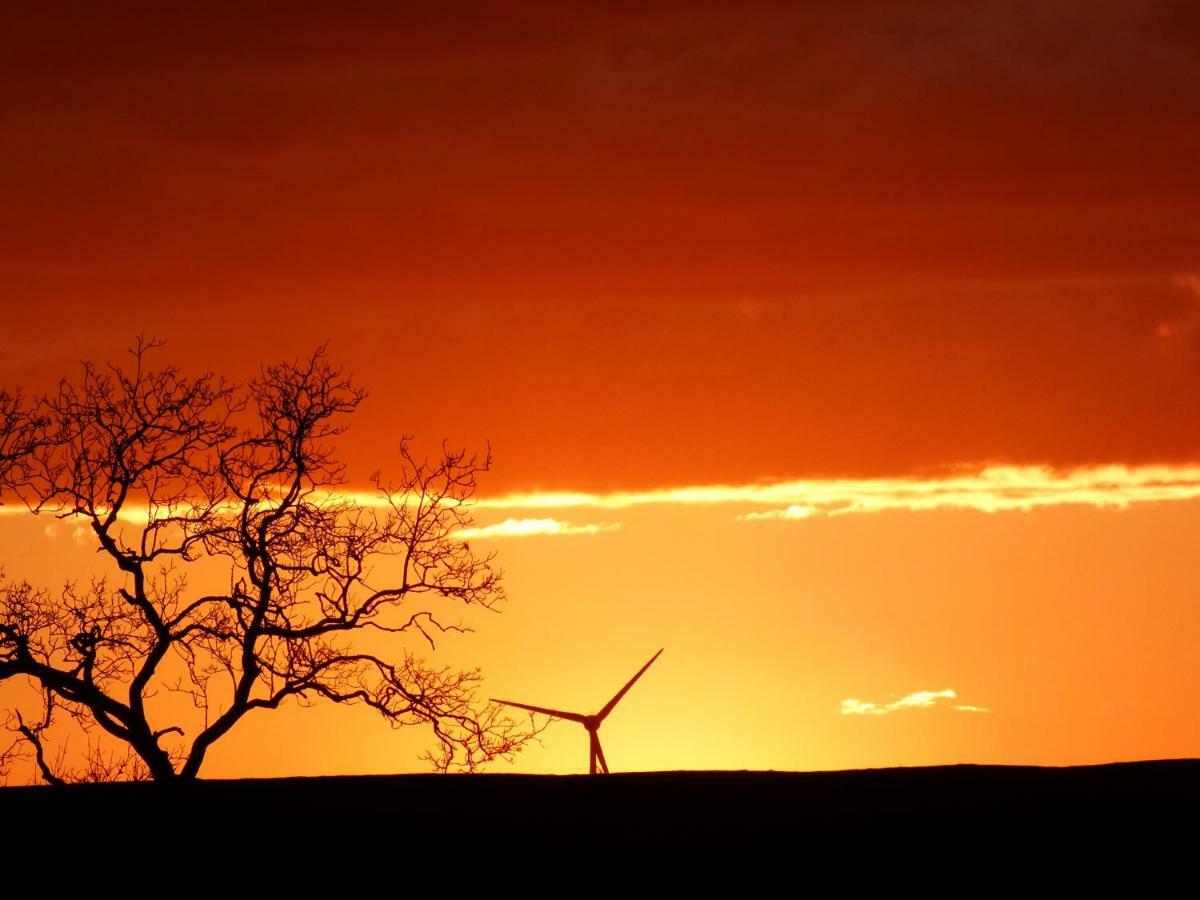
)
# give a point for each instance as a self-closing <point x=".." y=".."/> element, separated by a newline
<point x="762" y="236"/>
<point x="637" y="246"/>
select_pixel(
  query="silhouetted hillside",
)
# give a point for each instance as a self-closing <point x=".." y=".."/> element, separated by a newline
<point x="985" y="815"/>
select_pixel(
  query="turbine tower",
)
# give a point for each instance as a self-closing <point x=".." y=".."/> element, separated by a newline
<point x="591" y="723"/>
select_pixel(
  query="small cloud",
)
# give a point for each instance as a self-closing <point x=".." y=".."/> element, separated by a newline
<point x="1189" y="283"/>
<point x="917" y="700"/>
<point x="795" y="511"/>
<point x="532" y="528"/>
<point x="923" y="699"/>
<point x="854" y="707"/>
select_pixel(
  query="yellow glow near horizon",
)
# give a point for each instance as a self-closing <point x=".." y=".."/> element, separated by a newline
<point x="1072" y="625"/>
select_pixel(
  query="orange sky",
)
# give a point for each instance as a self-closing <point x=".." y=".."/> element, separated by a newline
<point x="677" y="245"/>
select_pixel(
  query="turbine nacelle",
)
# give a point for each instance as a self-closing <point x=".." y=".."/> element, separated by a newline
<point x="593" y="722"/>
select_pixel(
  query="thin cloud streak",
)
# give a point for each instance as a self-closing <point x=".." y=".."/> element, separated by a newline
<point x="531" y="528"/>
<point x="917" y="700"/>
<point x="140" y="514"/>
<point x="997" y="488"/>
<point x="990" y="489"/>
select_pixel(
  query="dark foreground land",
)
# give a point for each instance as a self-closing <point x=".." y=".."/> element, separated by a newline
<point x="981" y="815"/>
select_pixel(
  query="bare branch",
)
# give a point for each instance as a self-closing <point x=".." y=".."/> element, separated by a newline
<point x="32" y="734"/>
<point x="171" y="474"/>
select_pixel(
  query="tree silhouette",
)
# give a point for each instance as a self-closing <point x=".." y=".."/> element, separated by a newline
<point x="184" y="480"/>
<point x="18" y="435"/>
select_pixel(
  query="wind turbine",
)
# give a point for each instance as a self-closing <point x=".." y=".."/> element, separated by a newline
<point x="591" y="723"/>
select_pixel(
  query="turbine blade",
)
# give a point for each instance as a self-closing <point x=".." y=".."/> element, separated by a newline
<point x="556" y="713"/>
<point x="623" y="691"/>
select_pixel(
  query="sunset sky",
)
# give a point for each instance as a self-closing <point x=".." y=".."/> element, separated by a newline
<point x="848" y="351"/>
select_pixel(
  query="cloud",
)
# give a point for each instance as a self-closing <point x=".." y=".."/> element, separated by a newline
<point x="795" y="511"/>
<point x="1191" y="283"/>
<point x="991" y="488"/>
<point x="918" y="700"/>
<point x="139" y="514"/>
<point x="987" y="489"/>
<point x="531" y="528"/>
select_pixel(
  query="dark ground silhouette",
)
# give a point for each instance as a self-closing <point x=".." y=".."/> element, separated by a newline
<point x="969" y="819"/>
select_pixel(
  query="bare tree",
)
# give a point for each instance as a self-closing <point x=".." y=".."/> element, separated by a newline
<point x="176" y="478"/>
<point x="18" y="436"/>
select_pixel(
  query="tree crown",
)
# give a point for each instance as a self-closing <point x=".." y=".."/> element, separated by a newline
<point x="175" y="476"/>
